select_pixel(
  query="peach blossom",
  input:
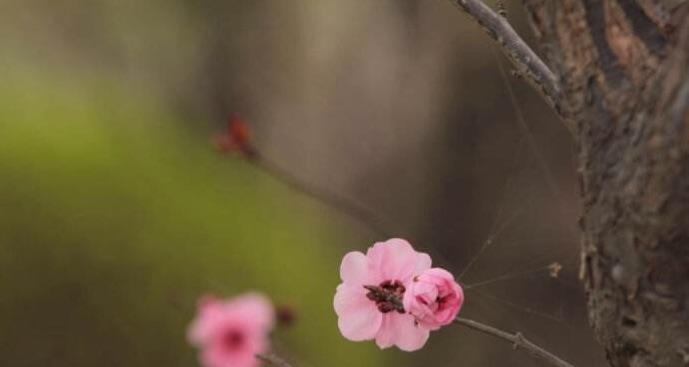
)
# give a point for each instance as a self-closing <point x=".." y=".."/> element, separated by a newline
<point x="368" y="302"/>
<point x="231" y="332"/>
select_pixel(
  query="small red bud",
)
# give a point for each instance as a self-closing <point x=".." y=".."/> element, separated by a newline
<point x="237" y="137"/>
<point x="286" y="315"/>
<point x="238" y="130"/>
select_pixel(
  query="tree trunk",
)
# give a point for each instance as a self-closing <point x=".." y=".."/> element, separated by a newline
<point x="623" y="67"/>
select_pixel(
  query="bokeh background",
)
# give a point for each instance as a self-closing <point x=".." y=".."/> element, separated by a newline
<point x="116" y="212"/>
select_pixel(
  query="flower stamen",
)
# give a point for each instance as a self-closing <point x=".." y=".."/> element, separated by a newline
<point x="387" y="296"/>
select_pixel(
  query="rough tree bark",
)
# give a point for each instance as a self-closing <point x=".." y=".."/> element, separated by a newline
<point x="621" y="70"/>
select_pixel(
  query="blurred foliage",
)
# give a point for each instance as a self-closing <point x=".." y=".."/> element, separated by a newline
<point x="114" y="219"/>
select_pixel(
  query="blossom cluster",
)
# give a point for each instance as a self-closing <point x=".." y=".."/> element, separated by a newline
<point x="390" y="294"/>
<point x="393" y="295"/>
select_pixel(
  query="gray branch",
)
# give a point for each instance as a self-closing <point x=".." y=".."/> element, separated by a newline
<point x="517" y="340"/>
<point x="272" y="360"/>
<point x="525" y="61"/>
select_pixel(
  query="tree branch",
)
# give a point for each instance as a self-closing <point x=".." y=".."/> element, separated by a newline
<point x="526" y="62"/>
<point x="272" y="360"/>
<point x="517" y="340"/>
<point x="350" y="207"/>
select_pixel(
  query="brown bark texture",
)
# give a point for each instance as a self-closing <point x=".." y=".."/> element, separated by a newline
<point x="623" y="69"/>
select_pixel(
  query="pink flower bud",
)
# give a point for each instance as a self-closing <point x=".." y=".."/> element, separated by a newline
<point x="433" y="298"/>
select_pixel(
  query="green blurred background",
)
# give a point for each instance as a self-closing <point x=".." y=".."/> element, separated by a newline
<point x="116" y="213"/>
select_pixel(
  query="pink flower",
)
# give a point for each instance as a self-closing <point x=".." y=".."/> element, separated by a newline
<point x="231" y="332"/>
<point x="368" y="303"/>
<point x="434" y="298"/>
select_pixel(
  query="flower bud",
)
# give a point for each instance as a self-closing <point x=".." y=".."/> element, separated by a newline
<point x="433" y="298"/>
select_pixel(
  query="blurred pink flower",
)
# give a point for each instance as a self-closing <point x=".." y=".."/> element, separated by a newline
<point x="368" y="303"/>
<point x="433" y="298"/>
<point x="231" y="332"/>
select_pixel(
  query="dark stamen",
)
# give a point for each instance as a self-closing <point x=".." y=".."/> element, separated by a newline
<point x="387" y="296"/>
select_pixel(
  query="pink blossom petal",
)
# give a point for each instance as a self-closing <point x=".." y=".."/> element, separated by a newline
<point x="440" y="273"/>
<point x="202" y="329"/>
<point x="385" y="338"/>
<point x="423" y="263"/>
<point x="395" y="259"/>
<point x="401" y="330"/>
<point x="257" y="308"/>
<point x="217" y="356"/>
<point x="356" y="270"/>
<point x="409" y="335"/>
<point x="358" y="317"/>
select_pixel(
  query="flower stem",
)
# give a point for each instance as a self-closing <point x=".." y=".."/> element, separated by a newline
<point x="273" y="360"/>
<point x="517" y="340"/>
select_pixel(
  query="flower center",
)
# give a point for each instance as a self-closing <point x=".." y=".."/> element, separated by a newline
<point x="387" y="295"/>
<point x="233" y="339"/>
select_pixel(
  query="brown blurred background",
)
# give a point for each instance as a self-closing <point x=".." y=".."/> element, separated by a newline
<point x="396" y="104"/>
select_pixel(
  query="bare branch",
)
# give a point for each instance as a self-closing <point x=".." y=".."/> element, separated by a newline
<point x="350" y="207"/>
<point x="272" y="360"/>
<point x="517" y="340"/>
<point x="526" y="62"/>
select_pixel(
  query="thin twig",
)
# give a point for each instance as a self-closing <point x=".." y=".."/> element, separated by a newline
<point x="273" y="360"/>
<point x="527" y="64"/>
<point x="348" y="206"/>
<point x="517" y="340"/>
